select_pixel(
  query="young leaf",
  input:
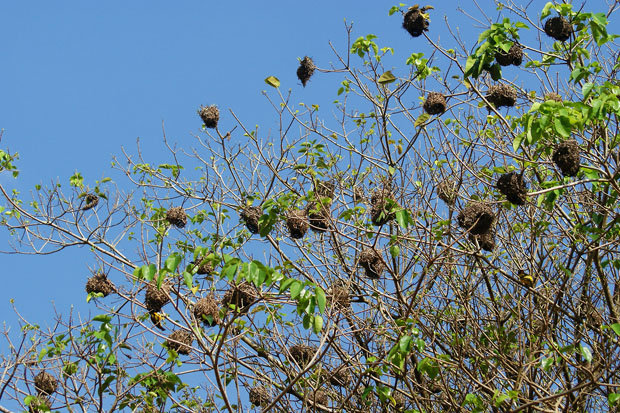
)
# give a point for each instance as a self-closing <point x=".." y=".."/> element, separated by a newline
<point x="273" y="81"/>
<point x="386" y="78"/>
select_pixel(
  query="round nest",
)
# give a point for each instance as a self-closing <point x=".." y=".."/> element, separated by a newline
<point x="358" y="194"/>
<point x="435" y="103"/>
<point x="155" y="298"/>
<point x="250" y="216"/>
<point x="514" y="56"/>
<point x="99" y="283"/>
<point x="302" y="353"/>
<point x="371" y="261"/>
<point x="325" y="189"/>
<point x="559" y="28"/>
<point x="502" y="95"/>
<point x="210" y="115"/>
<point x="90" y="201"/>
<point x="259" y="396"/>
<point x="242" y="296"/>
<point x="486" y="240"/>
<point x="339" y="295"/>
<point x="414" y="22"/>
<point x="553" y="96"/>
<point x="205" y="267"/>
<point x="297" y="223"/>
<point x="207" y="310"/>
<point x="477" y="218"/>
<point x="45" y="383"/>
<point x="176" y="216"/>
<point x="340" y="377"/>
<point x="567" y="157"/>
<point x="513" y="187"/>
<point x="317" y="397"/>
<point x="380" y="210"/>
<point x="446" y="191"/>
<point x="180" y="341"/>
<point x="319" y="220"/>
<point x="305" y="70"/>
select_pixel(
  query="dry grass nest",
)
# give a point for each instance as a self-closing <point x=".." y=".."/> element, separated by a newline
<point x="155" y="298"/>
<point x="340" y="376"/>
<point x="260" y="396"/>
<point x="567" y="156"/>
<point x="207" y="310"/>
<point x="553" y="96"/>
<point x="99" y="283"/>
<point x="180" y="341"/>
<point x="204" y="267"/>
<point x="513" y="187"/>
<point x="325" y="189"/>
<point x="210" y="115"/>
<point x="305" y="70"/>
<point x="90" y="201"/>
<point x="302" y="353"/>
<point x="176" y="216"/>
<point x="250" y="216"/>
<point x="241" y="296"/>
<point x="477" y="218"/>
<point x="371" y="261"/>
<point x="435" y="103"/>
<point x="446" y="191"/>
<point x="339" y="295"/>
<point x="317" y="397"/>
<point x="318" y="216"/>
<point x="502" y="95"/>
<point x="486" y="240"/>
<point x="514" y="56"/>
<point x="414" y="22"/>
<point x="380" y="208"/>
<point x="297" y="223"/>
<point x="45" y="383"/>
<point x="558" y="28"/>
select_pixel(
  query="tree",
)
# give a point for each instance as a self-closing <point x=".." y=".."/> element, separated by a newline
<point x="457" y="253"/>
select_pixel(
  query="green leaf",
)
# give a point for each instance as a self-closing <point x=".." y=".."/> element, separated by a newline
<point x="403" y="218"/>
<point x="273" y="81"/>
<point x="469" y="65"/>
<point x="613" y="398"/>
<point x="562" y="126"/>
<point x="148" y="272"/>
<point x="586" y="353"/>
<point x="616" y="328"/>
<point x="320" y="298"/>
<point x="172" y="262"/>
<point x="516" y="144"/>
<point x="421" y="119"/>
<point x="306" y="321"/>
<point x="394" y="251"/>
<point x="546" y="363"/>
<point x="318" y="324"/>
<point x="295" y="289"/>
<point x="404" y="344"/>
<point x="386" y="78"/>
<point x="546" y="10"/>
<point x="189" y="280"/>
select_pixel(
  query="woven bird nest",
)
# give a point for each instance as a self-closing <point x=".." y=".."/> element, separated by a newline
<point x="371" y="261"/>
<point x="305" y="70"/>
<point x="414" y="22"/>
<point x="358" y="194"/>
<point x="297" y="223"/>
<point x="514" y="56"/>
<point x="210" y="115"/>
<point x="558" y="28"/>
<point x="340" y="376"/>
<point x="567" y="157"/>
<point x="502" y="95"/>
<point x="90" y="201"/>
<point x="316" y="397"/>
<point x="477" y="218"/>
<point x="155" y="298"/>
<point x="250" y="216"/>
<point x="318" y="216"/>
<point x="99" y="283"/>
<point x="180" y="341"/>
<point x="260" y="396"/>
<point x="325" y="189"/>
<point x="302" y="353"/>
<point x="176" y="216"/>
<point x="513" y="187"/>
<point x="45" y="383"/>
<point x="205" y="266"/>
<point x="339" y="296"/>
<point x="380" y="208"/>
<point x="207" y="310"/>
<point x="486" y="240"/>
<point x="241" y="296"/>
<point x="446" y="191"/>
<point x="435" y="103"/>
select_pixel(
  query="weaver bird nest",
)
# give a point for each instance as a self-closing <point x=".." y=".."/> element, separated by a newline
<point x="207" y="310"/>
<point x="486" y="240"/>
<point x="305" y="70"/>
<point x="340" y="376"/>
<point x="477" y="218"/>
<point x="371" y="261"/>
<point x="318" y="216"/>
<point x="302" y="353"/>
<point x="512" y="186"/>
<point x="45" y="383"/>
<point x="415" y="22"/>
<point x="155" y="298"/>
<point x="240" y="296"/>
<point x="180" y="341"/>
<point x="205" y="266"/>
<point x="502" y="95"/>
<point x="99" y="283"/>
<point x="553" y="96"/>
<point x="250" y="216"/>
<point x="260" y="396"/>
<point x="338" y="295"/>
<point x="297" y="223"/>
<point x="381" y="207"/>
<point x="514" y="56"/>
<point x="558" y="28"/>
<point x="210" y="115"/>
<point x="90" y="201"/>
<point x="567" y="157"/>
<point x="176" y="216"/>
<point x="446" y="191"/>
<point x="435" y="103"/>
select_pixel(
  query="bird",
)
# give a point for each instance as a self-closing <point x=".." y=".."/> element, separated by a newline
<point x="156" y="319"/>
<point x="525" y="279"/>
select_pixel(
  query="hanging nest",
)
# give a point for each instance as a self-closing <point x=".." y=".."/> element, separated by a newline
<point x="486" y="240"/>
<point x="358" y="194"/>
<point x="99" y="283"/>
<point x="414" y="22"/>
<point x="340" y="377"/>
<point x="205" y="266"/>
<point x="45" y="383"/>
<point x="325" y="189"/>
<point x="90" y="201"/>
<point x="180" y="341"/>
<point x="250" y="216"/>
<point x="559" y="28"/>
<point x="176" y="216"/>
<point x="317" y="397"/>
<point x="210" y="115"/>
<point x="207" y="310"/>
<point x="567" y="157"/>
<point x="435" y="103"/>
<point x="305" y="70"/>
<point x="381" y="211"/>
<point x="477" y="218"/>
<point x="502" y="95"/>
<point x="302" y="353"/>
<point x="553" y="96"/>
<point x="371" y="261"/>
<point x="339" y="296"/>
<point x="260" y="396"/>
<point x="242" y="296"/>
<point x="446" y="191"/>
<point x="297" y="223"/>
<point x="514" y="56"/>
<point x="319" y="216"/>
<point x="513" y="187"/>
<point x="155" y="298"/>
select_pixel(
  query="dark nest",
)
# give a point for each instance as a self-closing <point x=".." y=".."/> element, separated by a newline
<point x="260" y="396"/>
<point x="339" y="295"/>
<point x="305" y="70"/>
<point x="317" y="397"/>
<point x="325" y="189"/>
<point x="241" y="296"/>
<point x="210" y="115"/>
<point x="99" y="283"/>
<point x="414" y="22"/>
<point x="207" y="310"/>
<point x="567" y="157"/>
<point x="486" y="240"/>
<point x="90" y="201"/>
<point x="446" y="191"/>
<point x="155" y="298"/>
<point x="180" y="341"/>
<point x="380" y="209"/>
<point x="250" y="216"/>
<point x="477" y="218"/>
<point x="502" y="95"/>
<point x="340" y="377"/>
<point x="514" y="56"/>
<point x="176" y="216"/>
<point x="204" y="267"/>
<point x="319" y="216"/>
<point x="45" y="383"/>
<point x="302" y="353"/>
<point x="559" y="28"/>
<point x="435" y="103"/>
<point x="553" y="96"/>
<point x="297" y="223"/>
<point x="372" y="263"/>
<point x="513" y="187"/>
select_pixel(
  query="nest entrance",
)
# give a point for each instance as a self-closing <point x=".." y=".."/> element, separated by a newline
<point x="477" y="218"/>
<point x="305" y="70"/>
<point x="513" y="187"/>
<point x="250" y="216"/>
<point x="514" y="56"/>
<point x="210" y="115"/>
<point x="99" y="283"/>
<point x="567" y="157"/>
<point x="372" y="263"/>
<point x="502" y="95"/>
<point x="414" y="22"/>
<point x="207" y="310"/>
<point x="180" y="341"/>
<point x="435" y="103"/>
<point x="176" y="216"/>
<point x="297" y="223"/>
<point x="558" y="28"/>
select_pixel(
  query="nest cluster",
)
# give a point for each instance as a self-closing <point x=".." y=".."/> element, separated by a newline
<point x="90" y="201"/>
<point x="514" y="56"/>
<point x="99" y="283"/>
<point x="210" y="115"/>
<point x="241" y="296"/>
<point x="176" y="216"/>
<point x="302" y="353"/>
<point x="305" y="70"/>
<point x="414" y="22"/>
<point x="297" y="223"/>
<point x="155" y="298"/>
<point x="513" y="187"/>
<point x="250" y="216"/>
<point x="559" y="28"/>
<point x="435" y="103"/>
<point x="371" y="261"/>
<point x="446" y="191"/>
<point x="180" y="341"/>
<point x="45" y="383"/>
<point x="502" y="95"/>
<point x="207" y="310"/>
<point x="380" y="211"/>
<point x="260" y="396"/>
<point x="567" y="157"/>
<point x="477" y="218"/>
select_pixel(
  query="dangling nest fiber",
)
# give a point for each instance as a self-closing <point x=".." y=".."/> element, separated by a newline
<point x="297" y="223"/>
<point x="558" y="28"/>
<point x="567" y="157"/>
<point x="512" y="186"/>
<point x="210" y="115"/>
<point x="176" y="216"/>
<point x="99" y="283"/>
<point x="180" y="341"/>
<point x="251" y="215"/>
<point x="207" y="310"/>
<point x="502" y="95"/>
<point x="305" y="70"/>
<point x="372" y="263"/>
<point x="477" y="218"/>
<point x="45" y="383"/>
<point x="435" y="103"/>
